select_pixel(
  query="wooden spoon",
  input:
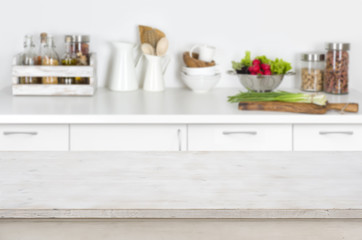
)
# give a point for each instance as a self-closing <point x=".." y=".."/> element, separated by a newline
<point x="148" y="49"/>
<point x="162" y="47"/>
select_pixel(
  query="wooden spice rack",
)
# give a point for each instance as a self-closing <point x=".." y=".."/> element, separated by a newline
<point x="19" y="70"/>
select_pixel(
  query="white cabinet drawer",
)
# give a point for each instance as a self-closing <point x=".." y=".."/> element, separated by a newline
<point x="328" y="137"/>
<point x="128" y="137"/>
<point x="34" y="138"/>
<point x="240" y="138"/>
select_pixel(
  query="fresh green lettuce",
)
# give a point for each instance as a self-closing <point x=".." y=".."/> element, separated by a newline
<point x="245" y="62"/>
<point x="279" y="66"/>
<point x="263" y="59"/>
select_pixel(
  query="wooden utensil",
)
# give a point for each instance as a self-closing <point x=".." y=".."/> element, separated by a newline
<point x="162" y="47"/>
<point x="193" y="61"/>
<point x="150" y="35"/>
<point x="148" y="49"/>
<point x="298" y="107"/>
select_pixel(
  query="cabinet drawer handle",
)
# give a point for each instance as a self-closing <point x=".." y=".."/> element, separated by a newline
<point x="244" y="132"/>
<point x="20" y="133"/>
<point x="179" y="140"/>
<point x="343" y="133"/>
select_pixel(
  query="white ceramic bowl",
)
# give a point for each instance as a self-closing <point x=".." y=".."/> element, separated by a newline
<point x="201" y="84"/>
<point x="205" y="71"/>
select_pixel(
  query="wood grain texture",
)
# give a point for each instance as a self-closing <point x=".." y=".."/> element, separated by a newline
<point x="52" y="90"/>
<point x="190" y="229"/>
<point x="194" y="62"/>
<point x="297" y="107"/>
<point x="57" y="71"/>
<point x="181" y="185"/>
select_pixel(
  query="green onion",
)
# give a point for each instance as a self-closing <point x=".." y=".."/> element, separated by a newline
<point x="280" y="96"/>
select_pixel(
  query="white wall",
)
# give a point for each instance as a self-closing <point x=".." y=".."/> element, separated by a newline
<point x="278" y="28"/>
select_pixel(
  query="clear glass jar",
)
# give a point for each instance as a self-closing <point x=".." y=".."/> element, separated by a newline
<point x="337" y="65"/>
<point x="42" y="48"/>
<point x="50" y="58"/>
<point x="80" y="47"/>
<point x="29" y="59"/>
<point x="312" y="72"/>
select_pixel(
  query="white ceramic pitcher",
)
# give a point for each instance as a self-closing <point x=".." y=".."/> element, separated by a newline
<point x="123" y="71"/>
<point x="154" y="73"/>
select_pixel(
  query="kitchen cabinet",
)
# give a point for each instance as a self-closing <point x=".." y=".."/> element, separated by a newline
<point x="34" y="138"/>
<point x="128" y="138"/>
<point x="240" y="137"/>
<point x="173" y="120"/>
<point x="328" y="137"/>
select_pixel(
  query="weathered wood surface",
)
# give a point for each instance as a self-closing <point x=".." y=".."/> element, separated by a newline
<point x="54" y="71"/>
<point x="181" y="185"/>
<point x="176" y="229"/>
<point x="298" y="107"/>
<point x="53" y="90"/>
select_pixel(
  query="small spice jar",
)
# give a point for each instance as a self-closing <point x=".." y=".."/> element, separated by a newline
<point x="80" y="46"/>
<point x="312" y="71"/>
<point x="336" y="74"/>
<point x="81" y="49"/>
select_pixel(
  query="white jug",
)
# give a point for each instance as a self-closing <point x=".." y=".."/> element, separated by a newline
<point x="123" y="67"/>
<point x="154" y="74"/>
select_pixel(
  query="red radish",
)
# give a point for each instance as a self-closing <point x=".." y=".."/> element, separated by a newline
<point x="256" y="62"/>
<point x="252" y="69"/>
<point x="265" y="66"/>
<point x="267" y="72"/>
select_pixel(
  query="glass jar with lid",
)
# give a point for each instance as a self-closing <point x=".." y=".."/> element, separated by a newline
<point x="337" y="65"/>
<point x="312" y="71"/>
<point x="80" y="47"/>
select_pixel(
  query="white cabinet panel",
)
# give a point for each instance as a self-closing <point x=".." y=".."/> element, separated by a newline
<point x="240" y="138"/>
<point x="34" y="138"/>
<point x="128" y="137"/>
<point x="328" y="137"/>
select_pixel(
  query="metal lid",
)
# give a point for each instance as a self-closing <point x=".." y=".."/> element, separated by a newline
<point x="313" y="57"/>
<point x="81" y="38"/>
<point x="338" y="46"/>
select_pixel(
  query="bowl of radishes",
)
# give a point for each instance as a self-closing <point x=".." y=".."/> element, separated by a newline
<point x="261" y="74"/>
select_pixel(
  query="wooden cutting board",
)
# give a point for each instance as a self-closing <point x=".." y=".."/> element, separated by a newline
<point x="298" y="107"/>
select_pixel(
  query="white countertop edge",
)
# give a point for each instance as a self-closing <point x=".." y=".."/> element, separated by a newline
<point x="180" y="214"/>
<point x="181" y="119"/>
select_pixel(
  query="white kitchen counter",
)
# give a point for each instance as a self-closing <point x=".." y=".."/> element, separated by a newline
<point x="181" y="185"/>
<point x="170" y="107"/>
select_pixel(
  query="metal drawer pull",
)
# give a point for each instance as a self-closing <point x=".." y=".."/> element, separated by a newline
<point x="20" y="133"/>
<point x="179" y="140"/>
<point x="344" y="133"/>
<point x="233" y="133"/>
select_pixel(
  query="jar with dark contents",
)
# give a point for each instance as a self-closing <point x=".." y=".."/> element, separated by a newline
<point x="337" y="64"/>
<point x="80" y="48"/>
